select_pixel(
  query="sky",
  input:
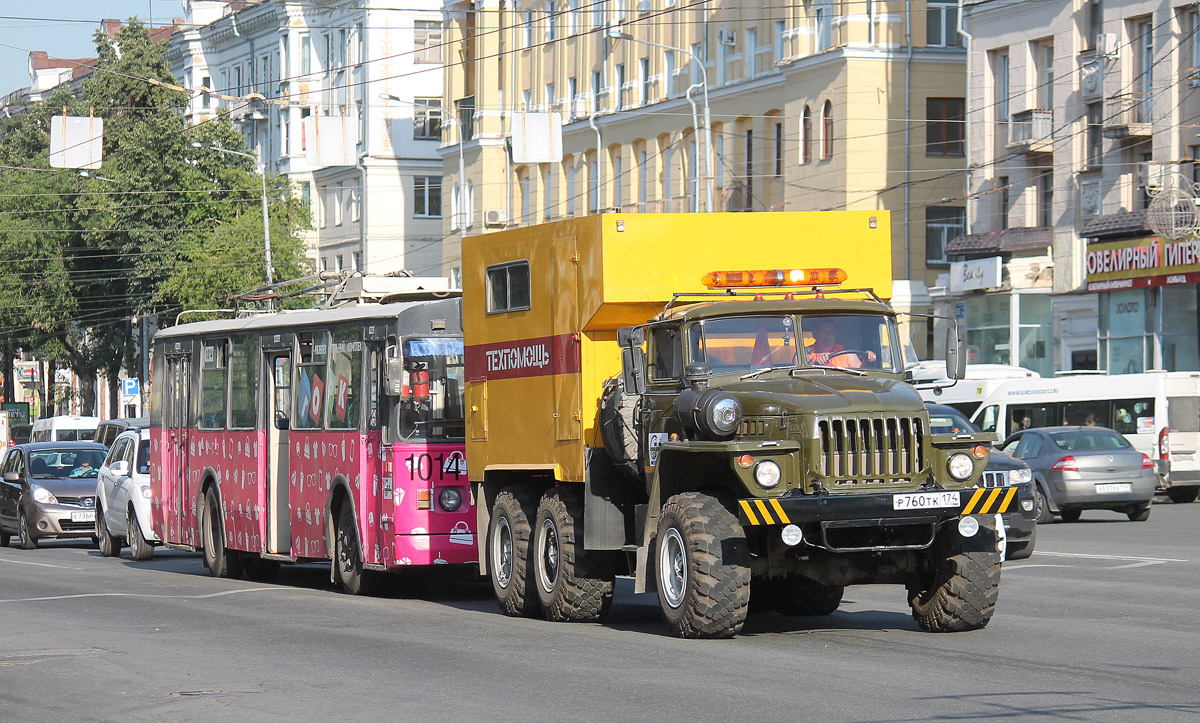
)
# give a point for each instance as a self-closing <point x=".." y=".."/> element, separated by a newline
<point x="63" y="28"/>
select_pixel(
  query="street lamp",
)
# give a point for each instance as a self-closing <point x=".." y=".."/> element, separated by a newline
<point x="616" y="34"/>
<point x="87" y="174"/>
<point x="262" y="171"/>
<point x="461" y="211"/>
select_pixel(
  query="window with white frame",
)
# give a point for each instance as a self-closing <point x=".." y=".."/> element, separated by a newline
<point x="572" y="17"/>
<point x="599" y="12"/>
<point x="941" y="24"/>
<point x="427" y="196"/>
<point x="547" y="195"/>
<point x="692" y="176"/>
<point x="527" y="30"/>
<point x="549" y="97"/>
<point x="643" y="169"/>
<point x="779" y="41"/>
<point x="1000" y="71"/>
<point x="427" y="118"/>
<point x="355" y="213"/>
<point x="597" y="89"/>
<point x="427" y="41"/>
<point x="339" y="202"/>
<point x="619" y="86"/>
<point x="551" y="21"/>
<point x="593" y="186"/>
<point x="750" y="52"/>
<point x="571" y="189"/>
<point x="668" y="161"/>
<point x="643" y="81"/>
<point x="942" y="225"/>
<point x="572" y="95"/>
<point x="806" y="135"/>
<point x="720" y="169"/>
<point x="618" y="179"/>
<point x="526" y="198"/>
<point x="668" y="73"/>
<point x="823" y="27"/>
<point x="1193" y="62"/>
<point x="695" y="67"/>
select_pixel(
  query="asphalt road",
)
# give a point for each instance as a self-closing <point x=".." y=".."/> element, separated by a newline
<point x="1100" y="624"/>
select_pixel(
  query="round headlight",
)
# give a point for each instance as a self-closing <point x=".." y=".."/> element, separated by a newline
<point x="792" y="535"/>
<point x="43" y="495"/>
<point x="450" y="499"/>
<point x="960" y="466"/>
<point x="725" y="414"/>
<point x="767" y="474"/>
<point x="968" y="526"/>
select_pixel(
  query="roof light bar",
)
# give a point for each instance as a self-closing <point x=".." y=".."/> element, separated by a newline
<point x="773" y="277"/>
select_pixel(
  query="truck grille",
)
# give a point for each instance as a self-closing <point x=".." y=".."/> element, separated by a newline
<point x="994" y="479"/>
<point x="870" y="450"/>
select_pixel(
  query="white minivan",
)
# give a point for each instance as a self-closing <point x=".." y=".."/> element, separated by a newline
<point x="1158" y="412"/>
<point x="65" y="428"/>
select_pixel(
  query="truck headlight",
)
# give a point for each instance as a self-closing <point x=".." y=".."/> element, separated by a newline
<point x="713" y="412"/>
<point x="724" y="414"/>
<point x="1019" y="476"/>
<point x="767" y="474"/>
<point x="960" y="466"/>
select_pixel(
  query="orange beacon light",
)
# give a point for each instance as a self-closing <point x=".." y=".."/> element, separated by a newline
<point x="773" y="277"/>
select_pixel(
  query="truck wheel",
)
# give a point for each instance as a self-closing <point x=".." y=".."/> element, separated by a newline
<point x="221" y="561"/>
<point x="109" y="546"/>
<point x="796" y="595"/>
<point x="139" y="548"/>
<point x="960" y="592"/>
<point x="703" y="566"/>
<point x="1071" y="515"/>
<point x="1041" y="506"/>
<point x="573" y="584"/>
<point x="1139" y="513"/>
<point x="1183" y="495"/>
<point x="28" y="541"/>
<point x="1022" y="550"/>
<point x="348" y="559"/>
<point x="508" y="548"/>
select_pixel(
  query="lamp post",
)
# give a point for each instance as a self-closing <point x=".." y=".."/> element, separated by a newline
<point x="262" y="171"/>
<point x="460" y="211"/>
<point x="616" y="34"/>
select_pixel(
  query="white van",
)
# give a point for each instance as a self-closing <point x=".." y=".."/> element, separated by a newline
<point x="965" y="395"/>
<point x="64" y="429"/>
<point x="1158" y="412"/>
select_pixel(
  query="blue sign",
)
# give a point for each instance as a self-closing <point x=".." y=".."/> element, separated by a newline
<point x="131" y="387"/>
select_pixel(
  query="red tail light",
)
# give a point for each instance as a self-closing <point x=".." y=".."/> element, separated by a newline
<point x="1147" y="463"/>
<point x="1164" y="443"/>
<point x="1066" y="464"/>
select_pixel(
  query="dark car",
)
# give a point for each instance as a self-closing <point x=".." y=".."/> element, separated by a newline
<point x="1085" y="468"/>
<point x="48" y="489"/>
<point x="108" y="430"/>
<point x="1003" y="470"/>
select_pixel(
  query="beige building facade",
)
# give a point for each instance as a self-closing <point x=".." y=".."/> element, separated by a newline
<point x="812" y="106"/>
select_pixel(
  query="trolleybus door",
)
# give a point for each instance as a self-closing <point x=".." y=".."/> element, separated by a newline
<point x="179" y="404"/>
<point x="279" y="407"/>
<point x="384" y="533"/>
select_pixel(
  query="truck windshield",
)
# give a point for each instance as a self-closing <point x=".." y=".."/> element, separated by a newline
<point x="431" y="406"/>
<point x="850" y="341"/>
<point x="744" y="343"/>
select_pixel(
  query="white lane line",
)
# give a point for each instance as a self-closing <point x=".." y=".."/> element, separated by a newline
<point x="1026" y="567"/>
<point x="1087" y="556"/>
<point x="158" y="597"/>
<point x="38" y="564"/>
<point x="1139" y="564"/>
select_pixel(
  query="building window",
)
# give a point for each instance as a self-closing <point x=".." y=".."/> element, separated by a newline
<point x="1127" y="330"/>
<point x="1044" y="64"/>
<point x="427" y="118"/>
<point x="527" y="29"/>
<point x="427" y="41"/>
<point x="355" y="215"/>
<point x="572" y="17"/>
<point x="1045" y="191"/>
<point x="550" y="100"/>
<point x="941" y="24"/>
<point x="748" y="200"/>
<point x="508" y="287"/>
<point x="668" y="160"/>
<point x="668" y="73"/>
<point x="1000" y="70"/>
<point x="827" y="131"/>
<point x="779" y="41"/>
<point x="597" y="89"/>
<point x="551" y="21"/>
<point x="1095" y="134"/>
<point x="750" y="52"/>
<point x="988" y="330"/>
<point x="427" y="196"/>
<point x="643" y="169"/>
<point x="571" y="170"/>
<point x="1143" y="84"/>
<point x="1193" y="60"/>
<point x="823" y="27"/>
<point x="806" y="134"/>
<point x="644" y="80"/>
<point x="720" y="170"/>
<point x="692" y="182"/>
<point x="619" y="86"/>
<point x="618" y="180"/>
<point x="593" y="186"/>
<point x="778" y="148"/>
<point x="945" y="129"/>
<point x="695" y="64"/>
<point x="942" y="225"/>
<point x="599" y="13"/>
<point x="1095" y="12"/>
<point x="1002" y="186"/>
<point x="526" y="199"/>
<point x="339" y="203"/>
<point x="572" y="94"/>
<point x="547" y="195"/>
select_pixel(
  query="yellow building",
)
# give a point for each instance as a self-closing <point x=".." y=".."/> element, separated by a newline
<point x="818" y="105"/>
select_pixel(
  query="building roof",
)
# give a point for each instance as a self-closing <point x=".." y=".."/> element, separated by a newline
<point x="41" y="60"/>
<point x="1122" y="223"/>
<point x="1009" y="239"/>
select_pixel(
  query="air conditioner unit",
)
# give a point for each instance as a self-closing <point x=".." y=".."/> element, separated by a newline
<point x="495" y="217"/>
<point x="726" y="37"/>
<point x="1155" y="174"/>
<point x="1107" y="46"/>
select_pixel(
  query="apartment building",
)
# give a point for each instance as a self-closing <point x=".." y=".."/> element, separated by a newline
<point x="1082" y="144"/>
<point x="343" y="97"/>
<point x="856" y="104"/>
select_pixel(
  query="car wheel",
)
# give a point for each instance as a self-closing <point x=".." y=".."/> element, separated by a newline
<point x="1139" y="513"/>
<point x="1071" y="515"/>
<point x="109" y="545"/>
<point x="138" y="546"/>
<point x="28" y="541"/>
<point x="1041" y="506"/>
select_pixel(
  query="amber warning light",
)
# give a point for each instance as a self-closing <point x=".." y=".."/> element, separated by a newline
<point x="773" y="277"/>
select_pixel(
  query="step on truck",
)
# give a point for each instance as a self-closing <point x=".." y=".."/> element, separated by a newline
<point x="717" y="405"/>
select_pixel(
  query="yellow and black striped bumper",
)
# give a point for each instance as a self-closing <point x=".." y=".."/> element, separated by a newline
<point x="798" y="510"/>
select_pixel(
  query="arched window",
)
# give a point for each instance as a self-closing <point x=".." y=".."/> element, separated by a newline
<point x="806" y="135"/>
<point x="827" y="131"/>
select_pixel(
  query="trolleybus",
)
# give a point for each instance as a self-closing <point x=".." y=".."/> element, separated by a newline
<point x="300" y="436"/>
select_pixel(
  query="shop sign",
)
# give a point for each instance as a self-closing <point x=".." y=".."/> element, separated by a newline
<point x="975" y="275"/>
<point x="1142" y="263"/>
<point x="18" y="412"/>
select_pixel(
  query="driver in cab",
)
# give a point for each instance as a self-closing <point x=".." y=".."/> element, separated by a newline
<point x="825" y="351"/>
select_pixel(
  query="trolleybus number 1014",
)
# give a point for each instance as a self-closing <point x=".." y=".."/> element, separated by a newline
<point x="425" y="466"/>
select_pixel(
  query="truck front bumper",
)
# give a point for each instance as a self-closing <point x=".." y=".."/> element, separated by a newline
<point x="883" y="508"/>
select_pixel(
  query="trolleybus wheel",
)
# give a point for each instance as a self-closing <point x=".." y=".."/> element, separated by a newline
<point x="348" y="555"/>
<point x="139" y="548"/>
<point x="958" y="592"/>
<point x="221" y="561"/>
<point x="508" y="545"/>
<point x="702" y="563"/>
<point x="573" y="584"/>
<point x="109" y="545"/>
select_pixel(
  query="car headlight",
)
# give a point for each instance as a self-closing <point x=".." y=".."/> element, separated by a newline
<point x="767" y="474"/>
<point x="960" y="466"/>
<point x="43" y="495"/>
<point x="450" y="499"/>
<point x="1019" y="476"/>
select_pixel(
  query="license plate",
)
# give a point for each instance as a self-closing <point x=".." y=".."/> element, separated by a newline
<point x="88" y="516"/>
<point x="1114" y="487"/>
<point x="925" y="501"/>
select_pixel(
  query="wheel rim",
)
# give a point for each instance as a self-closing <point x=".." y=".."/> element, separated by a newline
<point x="672" y="568"/>
<point x="24" y="529"/>
<point x="548" y="555"/>
<point x="347" y="554"/>
<point x="502" y="552"/>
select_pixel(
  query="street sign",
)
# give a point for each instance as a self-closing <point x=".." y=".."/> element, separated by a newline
<point x="130" y="387"/>
<point x="18" y="412"/>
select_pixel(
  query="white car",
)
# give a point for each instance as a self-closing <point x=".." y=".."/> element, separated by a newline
<point x="123" y="497"/>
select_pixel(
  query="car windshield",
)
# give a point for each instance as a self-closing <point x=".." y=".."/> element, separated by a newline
<point x="752" y="343"/>
<point x="949" y="423"/>
<point x="1085" y="439"/>
<point x="65" y="463"/>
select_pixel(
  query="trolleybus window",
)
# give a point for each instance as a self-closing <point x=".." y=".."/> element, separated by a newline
<point x="213" y="376"/>
<point x="310" y="397"/>
<point x="243" y="382"/>
<point x="345" y="378"/>
<point x="431" y="405"/>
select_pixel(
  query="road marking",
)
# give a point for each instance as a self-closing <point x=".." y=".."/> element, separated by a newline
<point x="1108" y="557"/>
<point x="158" y="597"/>
<point x="1007" y="566"/>
<point x="38" y="564"/>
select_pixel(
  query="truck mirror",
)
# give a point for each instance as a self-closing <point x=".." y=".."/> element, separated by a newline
<point x="631" y="336"/>
<point x="393" y="377"/>
<point x="633" y="359"/>
<point x="956" y="356"/>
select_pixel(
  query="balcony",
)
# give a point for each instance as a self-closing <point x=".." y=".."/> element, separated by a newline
<point x="1032" y="131"/>
<point x="1127" y="116"/>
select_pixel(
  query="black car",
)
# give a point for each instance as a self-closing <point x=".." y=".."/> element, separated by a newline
<point x="48" y="489"/>
<point x="1003" y="470"/>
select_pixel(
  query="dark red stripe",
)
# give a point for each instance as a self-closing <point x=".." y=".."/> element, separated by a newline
<point x="541" y="356"/>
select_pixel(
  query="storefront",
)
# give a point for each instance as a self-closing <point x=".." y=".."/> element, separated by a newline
<point x="1148" y="293"/>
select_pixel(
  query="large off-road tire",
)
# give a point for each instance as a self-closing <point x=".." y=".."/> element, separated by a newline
<point x="1071" y="515"/>
<point x="573" y="585"/>
<point x="25" y="533"/>
<point x="1139" y="513"/>
<point x="261" y="570"/>
<point x="140" y="548"/>
<point x="1022" y="550"/>
<point x="702" y="564"/>
<point x="959" y="593"/>
<point x="109" y="545"/>
<point x="348" y="559"/>
<point x="1183" y="495"/>
<point x="797" y="595"/>
<point x="620" y="427"/>
<point x="509" y="543"/>
<point x="1041" y="506"/>
<point x="220" y="560"/>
